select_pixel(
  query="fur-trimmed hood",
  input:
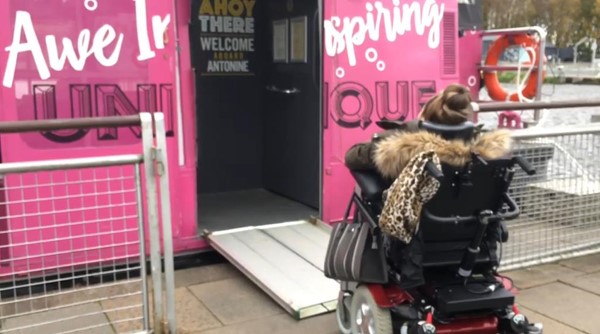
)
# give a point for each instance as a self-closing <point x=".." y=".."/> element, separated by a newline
<point x="394" y="152"/>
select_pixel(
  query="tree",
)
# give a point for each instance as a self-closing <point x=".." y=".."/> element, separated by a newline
<point x="566" y="21"/>
<point x="509" y="13"/>
<point x="560" y="17"/>
<point x="587" y="18"/>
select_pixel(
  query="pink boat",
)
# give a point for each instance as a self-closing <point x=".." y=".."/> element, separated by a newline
<point x="261" y="100"/>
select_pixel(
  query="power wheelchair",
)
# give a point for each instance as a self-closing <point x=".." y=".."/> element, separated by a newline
<point x="445" y="280"/>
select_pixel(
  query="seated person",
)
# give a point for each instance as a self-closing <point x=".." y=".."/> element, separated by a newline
<point x="388" y="152"/>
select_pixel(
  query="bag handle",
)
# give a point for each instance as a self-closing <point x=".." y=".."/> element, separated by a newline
<point x="364" y="212"/>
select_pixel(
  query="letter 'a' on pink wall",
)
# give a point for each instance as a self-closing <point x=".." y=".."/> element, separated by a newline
<point x="69" y="59"/>
<point x="382" y="60"/>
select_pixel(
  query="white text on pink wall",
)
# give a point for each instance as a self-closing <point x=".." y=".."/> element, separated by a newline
<point x="104" y="44"/>
<point x="345" y="34"/>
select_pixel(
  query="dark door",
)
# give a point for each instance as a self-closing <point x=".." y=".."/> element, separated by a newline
<point x="292" y="113"/>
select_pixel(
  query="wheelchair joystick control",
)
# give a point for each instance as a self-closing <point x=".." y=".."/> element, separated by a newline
<point x="468" y="261"/>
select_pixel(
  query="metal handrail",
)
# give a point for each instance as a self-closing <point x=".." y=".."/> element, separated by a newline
<point x="513" y="31"/>
<point x="502" y="106"/>
<point x="71" y="163"/>
<point x="74" y="123"/>
<point x="538" y="132"/>
<point x="487" y="68"/>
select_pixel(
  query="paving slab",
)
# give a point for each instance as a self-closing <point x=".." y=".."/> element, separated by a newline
<point x="203" y="274"/>
<point x="68" y="297"/>
<point x="283" y="323"/>
<point x="235" y="300"/>
<point x="125" y="313"/>
<point x="88" y="316"/>
<point x="539" y="275"/>
<point x="588" y="264"/>
<point x="590" y="282"/>
<point x="563" y="303"/>
<point x="551" y="326"/>
<point x="191" y="315"/>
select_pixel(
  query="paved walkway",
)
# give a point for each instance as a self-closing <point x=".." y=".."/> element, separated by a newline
<point x="218" y="299"/>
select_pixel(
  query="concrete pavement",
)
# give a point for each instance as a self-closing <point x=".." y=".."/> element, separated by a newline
<point x="218" y="299"/>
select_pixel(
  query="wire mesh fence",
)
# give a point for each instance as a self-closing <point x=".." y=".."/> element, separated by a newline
<point x="560" y="204"/>
<point x="72" y="255"/>
<point x="75" y="235"/>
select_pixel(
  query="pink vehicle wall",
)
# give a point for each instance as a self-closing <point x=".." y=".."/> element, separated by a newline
<point x="76" y="58"/>
<point x="384" y="60"/>
<point x="69" y="59"/>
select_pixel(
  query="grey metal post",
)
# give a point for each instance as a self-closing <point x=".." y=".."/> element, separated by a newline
<point x="142" y="236"/>
<point x="153" y="226"/>
<point x="162" y="163"/>
<point x="540" y="78"/>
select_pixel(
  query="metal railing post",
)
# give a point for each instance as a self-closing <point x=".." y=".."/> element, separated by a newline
<point x="153" y="225"/>
<point x="540" y="78"/>
<point x="142" y="236"/>
<point x="165" y="204"/>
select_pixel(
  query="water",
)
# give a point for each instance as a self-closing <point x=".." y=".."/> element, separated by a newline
<point x="553" y="117"/>
<point x="574" y="155"/>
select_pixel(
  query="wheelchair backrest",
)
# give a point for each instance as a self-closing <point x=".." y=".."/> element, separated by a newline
<point x="464" y="192"/>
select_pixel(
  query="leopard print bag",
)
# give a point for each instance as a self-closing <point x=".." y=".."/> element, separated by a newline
<point x="405" y="198"/>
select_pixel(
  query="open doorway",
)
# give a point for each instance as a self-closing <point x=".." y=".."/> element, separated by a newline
<point x="258" y="113"/>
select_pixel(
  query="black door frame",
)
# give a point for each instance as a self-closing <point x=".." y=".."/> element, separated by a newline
<point x="322" y="110"/>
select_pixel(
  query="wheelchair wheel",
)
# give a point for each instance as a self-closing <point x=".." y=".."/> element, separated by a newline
<point x="366" y="316"/>
<point x="342" y="313"/>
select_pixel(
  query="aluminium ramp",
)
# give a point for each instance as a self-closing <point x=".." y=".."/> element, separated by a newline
<point x="286" y="261"/>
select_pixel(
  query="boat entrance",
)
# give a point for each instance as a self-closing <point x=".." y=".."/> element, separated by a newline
<point x="258" y="122"/>
<point x="257" y="108"/>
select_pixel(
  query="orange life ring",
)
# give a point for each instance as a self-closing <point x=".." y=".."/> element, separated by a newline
<point x="490" y="78"/>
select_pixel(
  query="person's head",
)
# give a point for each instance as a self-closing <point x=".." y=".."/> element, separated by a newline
<point x="451" y="107"/>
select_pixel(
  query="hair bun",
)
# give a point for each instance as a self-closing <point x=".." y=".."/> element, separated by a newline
<point x="452" y="106"/>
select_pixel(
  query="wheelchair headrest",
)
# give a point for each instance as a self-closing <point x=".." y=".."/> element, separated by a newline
<point x="390" y="125"/>
<point x="464" y="131"/>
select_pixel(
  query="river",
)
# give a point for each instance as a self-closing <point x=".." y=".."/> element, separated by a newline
<point x="554" y="117"/>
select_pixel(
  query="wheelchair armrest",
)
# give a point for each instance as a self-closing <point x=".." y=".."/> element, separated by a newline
<point x="524" y="164"/>
<point x="514" y="210"/>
